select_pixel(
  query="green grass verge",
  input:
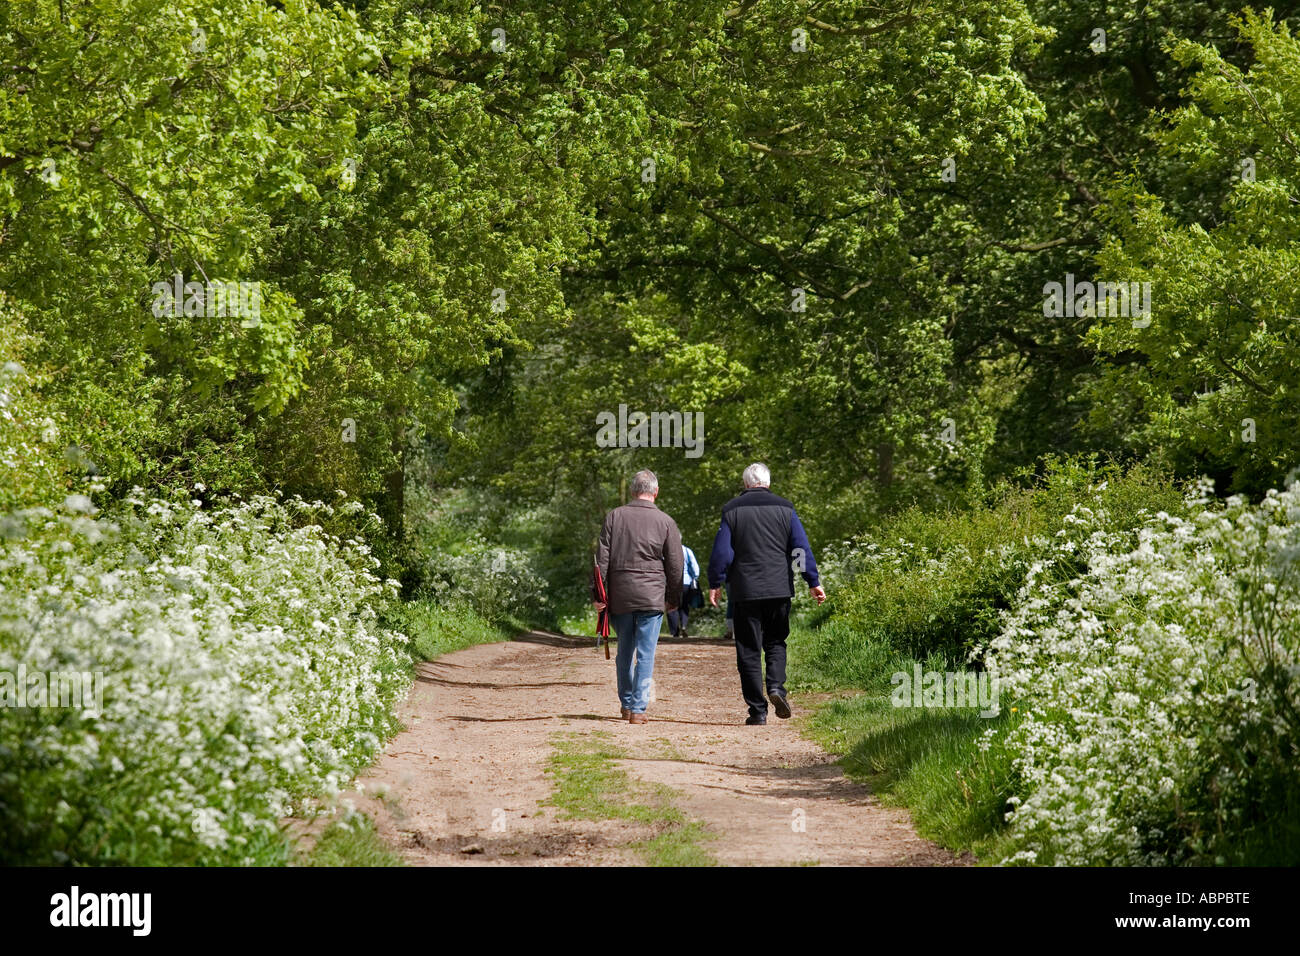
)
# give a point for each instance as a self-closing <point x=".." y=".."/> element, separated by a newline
<point x="589" y="785"/>
<point x="351" y="842"/>
<point x="435" y="630"/>
<point x="929" y="760"/>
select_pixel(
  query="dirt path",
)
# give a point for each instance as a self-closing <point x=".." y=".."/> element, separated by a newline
<point x="465" y="783"/>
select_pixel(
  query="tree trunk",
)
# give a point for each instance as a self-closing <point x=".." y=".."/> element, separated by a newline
<point x="885" y="465"/>
<point x="393" y="510"/>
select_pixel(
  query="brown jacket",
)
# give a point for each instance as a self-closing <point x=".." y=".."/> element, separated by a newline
<point x="640" y="558"/>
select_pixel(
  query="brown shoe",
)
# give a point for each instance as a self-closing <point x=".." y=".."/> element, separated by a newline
<point x="624" y="713"/>
<point x="638" y="719"/>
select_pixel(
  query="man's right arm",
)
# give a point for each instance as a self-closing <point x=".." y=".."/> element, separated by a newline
<point x="721" y="556"/>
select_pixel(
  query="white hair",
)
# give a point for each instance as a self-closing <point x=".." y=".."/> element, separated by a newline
<point x="757" y="476"/>
<point x="644" y="483"/>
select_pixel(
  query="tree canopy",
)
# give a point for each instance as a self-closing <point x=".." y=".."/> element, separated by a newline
<point x="471" y="229"/>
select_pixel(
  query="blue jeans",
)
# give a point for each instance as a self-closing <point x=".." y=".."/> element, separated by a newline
<point x="638" y="636"/>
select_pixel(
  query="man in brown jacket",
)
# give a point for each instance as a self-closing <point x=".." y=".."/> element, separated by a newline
<point x="640" y="560"/>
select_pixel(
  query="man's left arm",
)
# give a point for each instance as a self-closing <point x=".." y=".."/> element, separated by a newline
<point x="800" y="550"/>
<point x="602" y="561"/>
<point x="673" y="566"/>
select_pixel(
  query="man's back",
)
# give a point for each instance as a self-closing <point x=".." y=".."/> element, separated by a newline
<point x="760" y="534"/>
<point x="640" y="556"/>
<point x="761" y="531"/>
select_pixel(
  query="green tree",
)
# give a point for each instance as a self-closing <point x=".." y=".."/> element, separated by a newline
<point x="1212" y="378"/>
<point x="141" y="139"/>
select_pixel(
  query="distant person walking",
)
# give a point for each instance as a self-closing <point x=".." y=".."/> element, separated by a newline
<point x="759" y="545"/>
<point x="639" y="557"/>
<point x="678" y="619"/>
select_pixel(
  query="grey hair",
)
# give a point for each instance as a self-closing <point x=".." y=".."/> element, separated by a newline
<point x="757" y="476"/>
<point x="644" y="482"/>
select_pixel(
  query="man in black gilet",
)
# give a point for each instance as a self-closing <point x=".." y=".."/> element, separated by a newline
<point x="759" y="546"/>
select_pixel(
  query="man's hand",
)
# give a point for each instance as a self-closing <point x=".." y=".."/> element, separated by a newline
<point x="818" y="592"/>
<point x="598" y="605"/>
<point x="713" y="596"/>
<point x="669" y="608"/>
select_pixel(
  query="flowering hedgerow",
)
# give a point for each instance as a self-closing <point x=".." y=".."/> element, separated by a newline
<point x="494" y="580"/>
<point x="244" y="669"/>
<point x="1157" y="690"/>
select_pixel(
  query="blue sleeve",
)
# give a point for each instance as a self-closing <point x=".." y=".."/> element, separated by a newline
<point x="721" y="556"/>
<point x="799" y="542"/>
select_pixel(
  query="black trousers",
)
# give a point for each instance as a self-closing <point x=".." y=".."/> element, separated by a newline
<point x="761" y="629"/>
